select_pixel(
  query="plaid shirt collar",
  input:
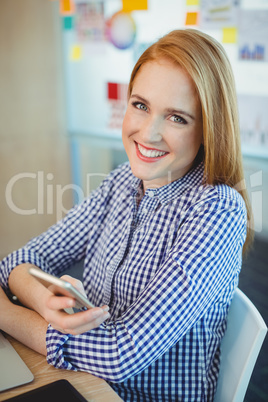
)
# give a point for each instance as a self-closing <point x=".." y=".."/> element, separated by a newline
<point x="173" y="190"/>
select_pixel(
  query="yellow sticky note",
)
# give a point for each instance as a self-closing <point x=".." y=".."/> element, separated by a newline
<point x="67" y="7"/>
<point x="132" y="5"/>
<point x="229" y="35"/>
<point x="76" y="53"/>
<point x="192" y="2"/>
<point x="191" y="18"/>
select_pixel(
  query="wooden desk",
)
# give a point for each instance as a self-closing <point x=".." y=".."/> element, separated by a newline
<point x="91" y="387"/>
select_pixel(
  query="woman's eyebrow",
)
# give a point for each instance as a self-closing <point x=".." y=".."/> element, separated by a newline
<point x="140" y="98"/>
<point x="168" y="110"/>
<point x="180" y="111"/>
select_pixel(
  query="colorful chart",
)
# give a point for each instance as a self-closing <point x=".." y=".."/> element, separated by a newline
<point x="121" y="30"/>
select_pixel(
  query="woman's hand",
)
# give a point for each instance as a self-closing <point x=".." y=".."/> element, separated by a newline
<point x="32" y="294"/>
<point x="76" y="323"/>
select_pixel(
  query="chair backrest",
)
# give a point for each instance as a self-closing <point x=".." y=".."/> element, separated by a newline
<point x="240" y="347"/>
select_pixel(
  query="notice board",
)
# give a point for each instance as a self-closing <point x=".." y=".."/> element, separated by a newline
<point x="102" y="39"/>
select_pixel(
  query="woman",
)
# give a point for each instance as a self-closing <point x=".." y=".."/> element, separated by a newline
<point x="161" y="238"/>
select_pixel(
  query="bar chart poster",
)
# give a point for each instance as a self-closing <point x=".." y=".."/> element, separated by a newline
<point x="253" y="35"/>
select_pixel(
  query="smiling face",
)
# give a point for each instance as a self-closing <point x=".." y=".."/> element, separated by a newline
<point x="162" y="127"/>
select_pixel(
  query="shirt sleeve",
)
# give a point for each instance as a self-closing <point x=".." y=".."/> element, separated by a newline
<point x="203" y="261"/>
<point x="65" y="242"/>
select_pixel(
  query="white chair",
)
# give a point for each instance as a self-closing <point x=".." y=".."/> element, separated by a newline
<point x="240" y="347"/>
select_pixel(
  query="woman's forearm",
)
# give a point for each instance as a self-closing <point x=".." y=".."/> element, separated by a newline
<point x="23" y="324"/>
<point x="27" y="289"/>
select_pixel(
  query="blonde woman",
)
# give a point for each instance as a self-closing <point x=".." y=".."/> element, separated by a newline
<point x="161" y="238"/>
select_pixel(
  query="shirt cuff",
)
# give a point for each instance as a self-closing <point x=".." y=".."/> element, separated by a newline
<point x="55" y="341"/>
<point x="21" y="256"/>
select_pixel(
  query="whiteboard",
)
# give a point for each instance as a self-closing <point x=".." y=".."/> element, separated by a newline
<point x="89" y="109"/>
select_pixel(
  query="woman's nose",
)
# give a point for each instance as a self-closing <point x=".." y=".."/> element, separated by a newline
<point x="151" y="130"/>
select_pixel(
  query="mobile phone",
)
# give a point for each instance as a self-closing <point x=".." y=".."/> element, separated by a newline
<point x="61" y="288"/>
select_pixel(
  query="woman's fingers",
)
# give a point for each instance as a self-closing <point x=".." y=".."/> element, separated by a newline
<point x="80" y="322"/>
<point x="59" y="302"/>
<point x="75" y="282"/>
<point x="76" y="323"/>
<point x="85" y="321"/>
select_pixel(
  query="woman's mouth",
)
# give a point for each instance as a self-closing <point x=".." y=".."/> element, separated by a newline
<point x="149" y="154"/>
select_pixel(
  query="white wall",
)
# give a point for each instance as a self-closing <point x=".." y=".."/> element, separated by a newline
<point x="33" y="130"/>
<point x="34" y="150"/>
<point x="256" y="174"/>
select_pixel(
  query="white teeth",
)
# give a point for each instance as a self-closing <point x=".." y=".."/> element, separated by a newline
<point x="150" y="153"/>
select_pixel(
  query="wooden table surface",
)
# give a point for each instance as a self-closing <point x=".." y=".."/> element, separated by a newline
<point x="91" y="387"/>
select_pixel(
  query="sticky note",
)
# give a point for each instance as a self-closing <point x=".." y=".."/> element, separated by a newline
<point x="67" y="22"/>
<point x="192" y="2"/>
<point x="67" y="7"/>
<point x="132" y="5"/>
<point x="191" y="18"/>
<point x="229" y="35"/>
<point x="76" y="53"/>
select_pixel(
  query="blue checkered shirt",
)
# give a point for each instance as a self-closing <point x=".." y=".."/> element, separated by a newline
<point x="167" y="266"/>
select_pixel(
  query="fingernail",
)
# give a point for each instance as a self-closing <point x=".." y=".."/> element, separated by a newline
<point x="97" y="313"/>
<point x="71" y="303"/>
<point x="105" y="308"/>
<point x="107" y="315"/>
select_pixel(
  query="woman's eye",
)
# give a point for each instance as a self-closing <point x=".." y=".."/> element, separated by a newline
<point x="178" y="119"/>
<point x="140" y="106"/>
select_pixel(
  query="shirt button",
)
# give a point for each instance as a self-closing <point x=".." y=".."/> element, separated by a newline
<point x="150" y="194"/>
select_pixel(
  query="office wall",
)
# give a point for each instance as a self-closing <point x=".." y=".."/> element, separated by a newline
<point x="34" y="152"/>
<point x="35" y="171"/>
<point x="87" y="77"/>
<point x="98" y="159"/>
<point x="256" y="175"/>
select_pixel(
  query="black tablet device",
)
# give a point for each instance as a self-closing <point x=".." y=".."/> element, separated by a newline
<point x="57" y="391"/>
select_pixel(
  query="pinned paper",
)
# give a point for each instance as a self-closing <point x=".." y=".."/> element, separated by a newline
<point x="132" y="5"/>
<point x="253" y="35"/>
<point x="191" y="18"/>
<point x="254" y="123"/>
<point x="67" y="7"/>
<point x="90" y="22"/>
<point x="117" y="91"/>
<point x="76" y="53"/>
<point x="217" y="14"/>
<point x="67" y="22"/>
<point x="121" y="30"/>
<point x="117" y="98"/>
<point x="192" y="2"/>
<point x="229" y="35"/>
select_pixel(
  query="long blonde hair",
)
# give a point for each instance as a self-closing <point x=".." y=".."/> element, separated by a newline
<point x="207" y="64"/>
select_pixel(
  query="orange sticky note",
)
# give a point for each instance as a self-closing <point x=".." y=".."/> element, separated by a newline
<point x="67" y="7"/>
<point x="132" y="5"/>
<point x="76" y="53"/>
<point x="191" y="18"/>
<point x="229" y="35"/>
